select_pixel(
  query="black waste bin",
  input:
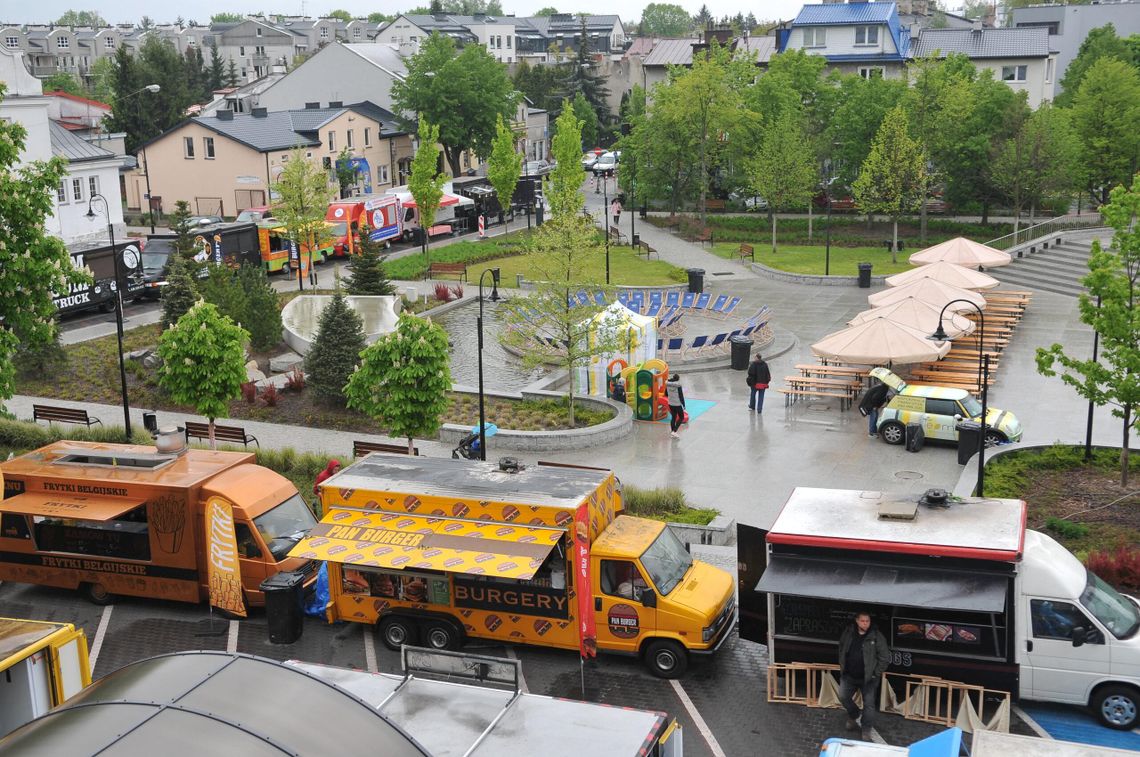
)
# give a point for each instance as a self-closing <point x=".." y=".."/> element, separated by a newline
<point x="635" y="240"/>
<point x="150" y="422"/>
<point x="696" y="280"/>
<point x="741" y="349"/>
<point x="538" y="214"/>
<point x="865" y="275"/>
<point x="968" y="434"/>
<point x="284" y="606"/>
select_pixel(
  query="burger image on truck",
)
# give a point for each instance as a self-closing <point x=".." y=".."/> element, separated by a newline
<point x="437" y="551"/>
<point x="187" y="525"/>
<point x="960" y="587"/>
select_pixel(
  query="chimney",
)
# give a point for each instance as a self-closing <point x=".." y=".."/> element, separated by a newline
<point x="312" y="106"/>
<point x="225" y="115"/>
<point x="977" y="26"/>
<point x="336" y="103"/>
<point x="260" y="112"/>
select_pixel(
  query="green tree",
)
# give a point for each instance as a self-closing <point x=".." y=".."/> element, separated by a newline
<point x="584" y="77"/>
<point x="216" y="73"/>
<point x="546" y="12"/>
<point x="425" y="184"/>
<point x="222" y="289"/>
<point x="403" y="379"/>
<point x="179" y="294"/>
<point x="336" y="349"/>
<point x="1106" y="111"/>
<point x="231" y="74"/>
<point x="1112" y="283"/>
<point x="346" y="177"/>
<point x="894" y="174"/>
<point x="463" y="93"/>
<point x="34" y="266"/>
<point x="366" y="270"/>
<point x="143" y="115"/>
<point x="543" y="85"/>
<point x="227" y="18"/>
<point x="861" y="105"/>
<point x="62" y="81"/>
<point x="184" y="245"/>
<point x="304" y="193"/>
<point x="379" y="18"/>
<point x="339" y="14"/>
<point x="100" y="81"/>
<point x="784" y="171"/>
<point x="262" y="317"/>
<point x="80" y="18"/>
<point x="591" y="128"/>
<point x="1100" y="43"/>
<point x="504" y="167"/>
<point x="1039" y="162"/>
<point x="562" y="186"/>
<point x="703" y="19"/>
<point x="664" y="20"/>
<point x="203" y="362"/>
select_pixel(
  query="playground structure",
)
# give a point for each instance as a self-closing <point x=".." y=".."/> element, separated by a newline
<point x="644" y="386"/>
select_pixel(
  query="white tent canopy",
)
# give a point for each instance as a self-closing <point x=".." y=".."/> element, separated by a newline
<point x="947" y="273"/>
<point x="880" y="341"/>
<point x="920" y="315"/>
<point x="964" y="252"/>
<point x="928" y="290"/>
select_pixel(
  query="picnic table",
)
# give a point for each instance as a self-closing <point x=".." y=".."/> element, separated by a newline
<point x="806" y="387"/>
<point x="849" y="372"/>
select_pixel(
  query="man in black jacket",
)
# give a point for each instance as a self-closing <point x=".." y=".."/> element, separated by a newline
<point x="758" y="379"/>
<point x="863" y="658"/>
<point x="873" y="400"/>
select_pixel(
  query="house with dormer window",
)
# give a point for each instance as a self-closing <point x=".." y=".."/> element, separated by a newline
<point x="856" y="38"/>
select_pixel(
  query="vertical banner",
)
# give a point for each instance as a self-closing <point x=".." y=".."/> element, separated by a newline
<point x="224" y="573"/>
<point x="294" y="255"/>
<point x="218" y="249"/>
<point x="587" y="631"/>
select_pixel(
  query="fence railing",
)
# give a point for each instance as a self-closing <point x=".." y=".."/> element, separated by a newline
<point x="1044" y="229"/>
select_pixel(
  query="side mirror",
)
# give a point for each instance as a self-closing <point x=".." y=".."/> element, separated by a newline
<point x="648" y="598"/>
<point x="1079" y="636"/>
<point x="958" y="417"/>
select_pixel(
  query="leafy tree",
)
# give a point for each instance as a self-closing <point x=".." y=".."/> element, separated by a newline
<point x="346" y="177"/>
<point x="336" y="349"/>
<point x="403" y="379"/>
<point x="784" y="172"/>
<point x="231" y="74"/>
<point x="179" y="294"/>
<point x="146" y="23"/>
<point x="425" y="184"/>
<point x="1038" y="162"/>
<point x="591" y="128"/>
<point x="34" y="266"/>
<point x="339" y="14"/>
<point x="216" y="73"/>
<point x="562" y="186"/>
<point x="226" y="18"/>
<point x="546" y="12"/>
<point x="304" y="197"/>
<point x="894" y="174"/>
<point x="80" y="18"/>
<point x="859" y="112"/>
<point x="1100" y="43"/>
<point x="462" y="93"/>
<point x="100" y="81"/>
<point x="203" y="362"/>
<point x="542" y="85"/>
<point x="664" y="20"/>
<point x="1114" y="284"/>
<point x="703" y="19"/>
<point x="379" y="18"/>
<point x="141" y="114"/>
<point x="366" y="270"/>
<point x="62" y="81"/>
<point x="1106" y="110"/>
<point x="197" y="77"/>
<point x="222" y="289"/>
<point x="262" y="310"/>
<point x="504" y="167"/>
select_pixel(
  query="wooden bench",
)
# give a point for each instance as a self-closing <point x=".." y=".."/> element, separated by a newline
<point x="792" y="394"/>
<point x="647" y="251"/>
<point x="615" y="234"/>
<point x="671" y="222"/>
<point x="360" y="449"/>
<point x="436" y="270"/>
<point x="233" y="434"/>
<point x="713" y="204"/>
<point x="51" y="414"/>
<point x="703" y="235"/>
<point x="746" y="251"/>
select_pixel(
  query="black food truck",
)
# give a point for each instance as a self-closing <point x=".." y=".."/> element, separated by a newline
<point x="98" y="259"/>
<point x="232" y="244"/>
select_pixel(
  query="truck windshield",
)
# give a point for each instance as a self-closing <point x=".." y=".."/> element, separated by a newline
<point x="667" y="561"/>
<point x="339" y="229"/>
<point x="285" y="525"/>
<point x="972" y="407"/>
<point x="1110" y="607"/>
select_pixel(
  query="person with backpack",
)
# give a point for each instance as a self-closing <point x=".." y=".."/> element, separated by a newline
<point x="759" y="376"/>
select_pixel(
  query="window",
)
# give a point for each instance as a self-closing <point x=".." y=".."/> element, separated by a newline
<point x="92" y="186"/>
<point x="508" y="42"/>
<point x="1049" y="71"/>
<point x="285" y="157"/>
<point x="868" y="72"/>
<point x="247" y="545"/>
<point x="332" y="141"/>
<point x="241" y="51"/>
<point x="63" y="42"/>
<point x="13" y="526"/>
<point x="190" y="41"/>
<point x="814" y="37"/>
<point x="621" y="578"/>
<point x="109" y="43"/>
<point x="127" y="536"/>
<point x="367" y="137"/>
<point x="866" y="35"/>
<point x="61" y="193"/>
<point x="188" y="147"/>
<point x="382" y="174"/>
<point x="1056" y="620"/>
<point x="413" y="39"/>
<point x="326" y="163"/>
<point x="941" y="407"/>
<point x="243" y="72"/>
<point x="1013" y="73"/>
<point x="208" y="147"/>
<point x="348" y="139"/>
<point x="12" y="41"/>
<point x="259" y="51"/>
<point x="356" y="33"/>
<point x="324" y="32"/>
<point x="77" y="189"/>
<point x="259" y="31"/>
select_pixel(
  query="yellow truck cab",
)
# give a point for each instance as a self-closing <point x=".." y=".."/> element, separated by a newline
<point x="42" y="664"/>
<point x="436" y="551"/>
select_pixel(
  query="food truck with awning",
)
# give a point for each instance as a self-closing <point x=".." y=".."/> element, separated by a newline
<point x="378" y="217"/>
<point x="438" y="551"/>
<point x="450" y="216"/>
<point x="185" y="524"/>
<point x="42" y="664"/>
<point x="959" y="586"/>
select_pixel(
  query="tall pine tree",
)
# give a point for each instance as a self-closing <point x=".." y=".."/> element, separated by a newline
<point x="336" y="350"/>
<point x="583" y="77"/>
<point x="179" y="294"/>
<point x="217" y="70"/>
<point x="366" y="270"/>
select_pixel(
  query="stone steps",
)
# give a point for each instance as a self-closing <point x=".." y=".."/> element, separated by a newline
<point x="1058" y="269"/>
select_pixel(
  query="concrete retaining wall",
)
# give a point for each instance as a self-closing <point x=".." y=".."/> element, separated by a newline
<point x="720" y="532"/>
<point x="805" y="278"/>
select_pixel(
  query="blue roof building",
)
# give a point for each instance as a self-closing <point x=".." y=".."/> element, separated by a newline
<point x="861" y="38"/>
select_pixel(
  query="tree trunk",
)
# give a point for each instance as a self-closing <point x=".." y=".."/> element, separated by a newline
<point x="451" y="152"/>
<point x="809" y="222"/>
<point x="922" y="224"/>
<point x="1124" y="446"/>
<point x="895" y="240"/>
<point x="985" y="212"/>
<point x="773" y="233"/>
<point x="214" y="442"/>
<point x="570" y="398"/>
<point x="1016" y="222"/>
<point x="411" y="446"/>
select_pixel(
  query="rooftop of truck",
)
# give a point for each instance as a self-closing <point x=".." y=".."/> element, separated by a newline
<point x="538" y="485"/>
<point x="975" y="528"/>
<point x="17" y="635"/>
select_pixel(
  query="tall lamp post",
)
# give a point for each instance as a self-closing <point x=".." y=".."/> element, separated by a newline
<point x="494" y="298"/>
<point x="940" y="335"/>
<point x="115" y="254"/>
<point x="606" y="221"/>
<point x="827" y="248"/>
<point x="152" y="88"/>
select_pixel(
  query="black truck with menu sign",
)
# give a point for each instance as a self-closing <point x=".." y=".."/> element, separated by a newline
<point x="99" y="260"/>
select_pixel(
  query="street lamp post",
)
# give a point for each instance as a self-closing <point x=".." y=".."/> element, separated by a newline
<point x="118" y="308"/>
<point x="606" y="221"/>
<point x="152" y="88"/>
<point x="494" y="298"/>
<point x="940" y="335"/>
<point x="827" y="247"/>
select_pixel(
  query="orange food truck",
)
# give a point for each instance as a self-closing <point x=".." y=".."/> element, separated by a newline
<point x="436" y="551"/>
<point x="187" y="525"/>
<point x="378" y="217"/>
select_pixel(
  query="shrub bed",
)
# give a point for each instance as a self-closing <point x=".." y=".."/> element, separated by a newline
<point x="845" y="232"/>
<point x="665" y="503"/>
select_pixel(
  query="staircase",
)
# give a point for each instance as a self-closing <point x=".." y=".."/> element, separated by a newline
<point x="1058" y="269"/>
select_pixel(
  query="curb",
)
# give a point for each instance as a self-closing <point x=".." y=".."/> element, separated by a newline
<point x="806" y="278"/>
<point x="720" y="532"/>
<point x="969" y="475"/>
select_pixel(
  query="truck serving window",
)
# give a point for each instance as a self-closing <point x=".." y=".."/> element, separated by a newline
<point x="1112" y="609"/>
<point x="667" y="561"/>
<point x="127" y="536"/>
<point x="285" y="525"/>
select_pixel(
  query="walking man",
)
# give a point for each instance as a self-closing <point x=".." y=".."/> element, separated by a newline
<point x="676" y="397"/>
<point x="873" y="401"/>
<point x="759" y="376"/>
<point x="863" y="658"/>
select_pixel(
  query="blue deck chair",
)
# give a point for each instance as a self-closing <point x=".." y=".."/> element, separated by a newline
<point x="719" y="304"/>
<point x="687" y="300"/>
<point x="600" y="298"/>
<point x="748" y="330"/>
<point x="623" y="297"/>
<point x="655" y="297"/>
<point x="726" y="311"/>
<point x="673" y="346"/>
<point x="637" y="302"/>
<point x="583" y="298"/>
<point x="703" y="301"/>
<point x="698" y="343"/>
<point x="673" y="298"/>
<point x="654" y="309"/>
<point x="715" y="344"/>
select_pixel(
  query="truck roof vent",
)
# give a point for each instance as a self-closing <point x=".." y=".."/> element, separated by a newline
<point x="935" y="498"/>
<point x="898" y="509"/>
<point x="510" y="465"/>
<point x="112" y="459"/>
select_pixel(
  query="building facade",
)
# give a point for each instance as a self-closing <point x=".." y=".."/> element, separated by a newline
<point x="1019" y="57"/>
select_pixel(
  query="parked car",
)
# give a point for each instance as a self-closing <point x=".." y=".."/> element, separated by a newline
<point x="606" y="162"/>
<point x="750" y="202"/>
<point x="207" y="220"/>
<point x="255" y="215"/>
<point x="939" y="410"/>
<point x="588" y="160"/>
<point x="536" y="168"/>
<point x="838" y="202"/>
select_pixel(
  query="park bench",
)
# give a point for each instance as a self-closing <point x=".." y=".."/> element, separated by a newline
<point x="51" y="414"/>
<point x="703" y="235"/>
<point x="746" y="251"/>
<point x="360" y="449"/>
<point x="714" y="205"/>
<point x="615" y="234"/>
<point x="647" y="251"/>
<point x="441" y="230"/>
<point x="232" y="434"/>
<point x="671" y="222"/>
<point x="437" y="270"/>
<point x="792" y="394"/>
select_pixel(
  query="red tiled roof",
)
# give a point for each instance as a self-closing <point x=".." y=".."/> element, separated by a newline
<point x="78" y="99"/>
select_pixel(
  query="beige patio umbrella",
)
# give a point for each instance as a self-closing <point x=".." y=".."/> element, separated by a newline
<point x="963" y="252"/>
<point x="920" y="315"/>
<point x="947" y="273"/>
<point x="880" y="341"/>
<point x="928" y="290"/>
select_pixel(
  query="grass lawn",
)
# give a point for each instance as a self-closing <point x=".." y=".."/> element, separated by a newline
<point x="805" y="259"/>
<point x="412" y="267"/>
<point x="626" y="268"/>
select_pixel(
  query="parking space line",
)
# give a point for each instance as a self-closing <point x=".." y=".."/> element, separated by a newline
<point x="231" y="640"/>
<point x="369" y="650"/>
<point x="100" y="632"/>
<point x="1029" y="721"/>
<point x="522" y="681"/>
<point x="703" y="727"/>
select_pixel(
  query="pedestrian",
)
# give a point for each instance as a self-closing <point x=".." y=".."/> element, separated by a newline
<point x="676" y="398"/>
<point x="873" y="401"/>
<point x="329" y="471"/>
<point x="863" y="658"/>
<point x="615" y="210"/>
<point x="618" y="393"/>
<point x="759" y="376"/>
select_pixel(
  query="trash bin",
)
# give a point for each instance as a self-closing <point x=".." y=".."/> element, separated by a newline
<point x="865" y="275"/>
<point x="696" y="280"/>
<point x="968" y="434"/>
<point x="635" y="240"/>
<point x="284" y="606"/>
<point x="888" y="244"/>
<point x="538" y="214"/>
<point x="150" y="422"/>
<point x="741" y="350"/>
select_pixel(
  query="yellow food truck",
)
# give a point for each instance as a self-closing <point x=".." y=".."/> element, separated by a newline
<point x="187" y="524"/>
<point x="436" y="551"/>
<point x="42" y="664"/>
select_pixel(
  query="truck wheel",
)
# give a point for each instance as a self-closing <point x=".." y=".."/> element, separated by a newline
<point x="1116" y="706"/>
<point x="893" y="432"/>
<point x="97" y="594"/>
<point x="396" y="631"/>
<point x="666" y="658"/>
<point x="439" y="634"/>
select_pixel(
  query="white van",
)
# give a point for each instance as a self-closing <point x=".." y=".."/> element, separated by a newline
<point x="960" y="588"/>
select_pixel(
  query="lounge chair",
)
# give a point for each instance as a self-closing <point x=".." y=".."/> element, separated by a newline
<point x="719" y="304"/>
<point x="687" y="300"/>
<point x="600" y="298"/>
<point x="698" y="344"/>
<point x="673" y="298"/>
<point x="726" y="311"/>
<point x="654" y="309"/>
<point x="702" y="301"/>
<point x="655" y="297"/>
<point x="672" y="346"/>
<point x="715" y="344"/>
<point x="583" y="298"/>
